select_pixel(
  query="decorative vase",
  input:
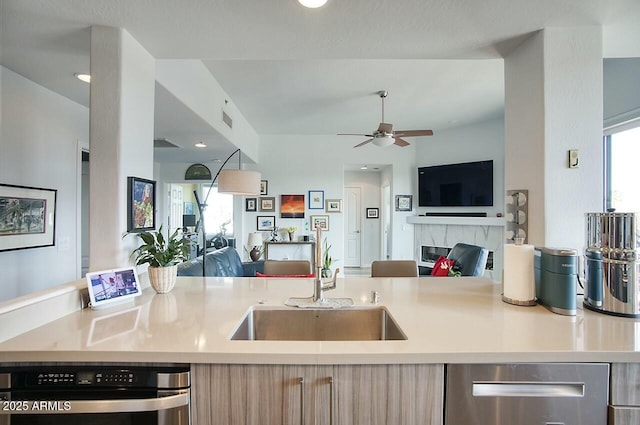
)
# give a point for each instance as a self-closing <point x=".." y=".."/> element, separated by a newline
<point x="163" y="279"/>
<point x="255" y="254"/>
<point x="291" y="236"/>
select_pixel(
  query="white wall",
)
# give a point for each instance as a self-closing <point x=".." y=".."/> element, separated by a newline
<point x="478" y="142"/>
<point x="297" y="164"/>
<point x="39" y="135"/>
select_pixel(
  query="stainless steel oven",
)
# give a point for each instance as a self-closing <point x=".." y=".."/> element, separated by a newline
<point x="102" y="395"/>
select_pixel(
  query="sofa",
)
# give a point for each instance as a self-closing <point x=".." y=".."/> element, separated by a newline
<point x="223" y="262"/>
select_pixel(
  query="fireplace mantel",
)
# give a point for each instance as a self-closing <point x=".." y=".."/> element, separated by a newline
<point x="459" y="221"/>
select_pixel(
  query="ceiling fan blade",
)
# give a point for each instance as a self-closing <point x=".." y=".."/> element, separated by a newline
<point x="355" y="134"/>
<point x="413" y="133"/>
<point x="400" y="142"/>
<point x="363" y="143"/>
<point x="385" y="127"/>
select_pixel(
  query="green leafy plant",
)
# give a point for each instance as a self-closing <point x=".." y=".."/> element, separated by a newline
<point x="327" y="260"/>
<point x="158" y="251"/>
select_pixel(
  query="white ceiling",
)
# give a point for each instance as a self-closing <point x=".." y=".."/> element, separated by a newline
<point x="292" y="70"/>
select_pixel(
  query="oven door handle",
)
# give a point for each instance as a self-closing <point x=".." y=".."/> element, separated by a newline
<point x="173" y="399"/>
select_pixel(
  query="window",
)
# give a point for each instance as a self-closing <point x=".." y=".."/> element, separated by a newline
<point x="219" y="211"/>
<point x="622" y="169"/>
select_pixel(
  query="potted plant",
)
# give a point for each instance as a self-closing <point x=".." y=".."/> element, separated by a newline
<point x="327" y="260"/>
<point x="162" y="254"/>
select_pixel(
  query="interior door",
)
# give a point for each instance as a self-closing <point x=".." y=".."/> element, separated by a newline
<point x="176" y="207"/>
<point x="353" y="237"/>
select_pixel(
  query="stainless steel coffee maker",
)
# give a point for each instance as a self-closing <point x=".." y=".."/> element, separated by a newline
<point x="611" y="264"/>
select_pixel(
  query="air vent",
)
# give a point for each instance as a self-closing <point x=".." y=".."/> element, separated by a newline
<point x="227" y="119"/>
<point x="163" y="143"/>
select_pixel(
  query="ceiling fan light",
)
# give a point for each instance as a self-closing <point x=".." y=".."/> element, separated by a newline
<point x="312" y="4"/>
<point x="383" y="141"/>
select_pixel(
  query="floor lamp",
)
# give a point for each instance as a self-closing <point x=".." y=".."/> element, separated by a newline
<point x="233" y="182"/>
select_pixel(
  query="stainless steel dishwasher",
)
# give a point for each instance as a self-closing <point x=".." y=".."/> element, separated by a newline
<point x="527" y="394"/>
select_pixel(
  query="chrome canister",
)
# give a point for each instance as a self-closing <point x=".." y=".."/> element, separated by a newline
<point x="612" y="268"/>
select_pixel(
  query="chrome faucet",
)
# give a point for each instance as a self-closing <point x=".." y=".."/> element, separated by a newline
<point x="318" y="285"/>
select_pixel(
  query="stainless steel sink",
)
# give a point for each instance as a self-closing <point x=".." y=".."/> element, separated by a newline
<point x="282" y="324"/>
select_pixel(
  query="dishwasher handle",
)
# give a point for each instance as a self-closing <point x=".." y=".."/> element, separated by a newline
<point x="165" y="400"/>
<point x="528" y="389"/>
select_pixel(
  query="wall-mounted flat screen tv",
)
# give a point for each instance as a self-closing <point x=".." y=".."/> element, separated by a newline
<point x="468" y="184"/>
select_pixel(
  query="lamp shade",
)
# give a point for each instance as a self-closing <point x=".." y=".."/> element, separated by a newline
<point x="255" y="239"/>
<point x="239" y="182"/>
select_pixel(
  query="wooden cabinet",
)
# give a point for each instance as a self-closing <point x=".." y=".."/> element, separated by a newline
<point x="317" y="395"/>
<point x="625" y="394"/>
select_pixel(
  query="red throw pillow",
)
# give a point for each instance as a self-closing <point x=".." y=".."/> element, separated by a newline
<point x="258" y="274"/>
<point x="442" y="266"/>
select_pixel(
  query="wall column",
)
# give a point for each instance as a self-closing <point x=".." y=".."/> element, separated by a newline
<point x="553" y="103"/>
<point x="121" y="138"/>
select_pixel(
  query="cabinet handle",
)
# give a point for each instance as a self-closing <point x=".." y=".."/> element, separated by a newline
<point x="301" y="383"/>
<point x="330" y="400"/>
<point x="527" y="389"/>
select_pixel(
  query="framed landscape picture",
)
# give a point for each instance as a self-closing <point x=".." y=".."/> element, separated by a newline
<point x="266" y="222"/>
<point x="292" y="206"/>
<point x="373" y="213"/>
<point x="27" y="217"/>
<point x="321" y="221"/>
<point x="141" y="204"/>
<point x="334" y="205"/>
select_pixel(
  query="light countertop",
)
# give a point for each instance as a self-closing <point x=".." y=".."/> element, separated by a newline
<point x="446" y="320"/>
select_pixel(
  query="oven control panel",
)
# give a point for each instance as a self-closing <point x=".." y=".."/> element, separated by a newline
<point x="85" y="378"/>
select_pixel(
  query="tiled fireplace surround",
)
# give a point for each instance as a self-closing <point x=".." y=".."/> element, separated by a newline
<point x="445" y="232"/>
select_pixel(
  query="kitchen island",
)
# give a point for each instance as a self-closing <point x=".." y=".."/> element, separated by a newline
<point x="446" y="321"/>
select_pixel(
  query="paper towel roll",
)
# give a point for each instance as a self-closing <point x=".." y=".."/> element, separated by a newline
<point x="518" y="279"/>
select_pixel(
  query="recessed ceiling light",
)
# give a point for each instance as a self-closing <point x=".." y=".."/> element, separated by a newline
<point x="83" y="77"/>
<point x="364" y="167"/>
<point x="312" y="4"/>
<point x="201" y="145"/>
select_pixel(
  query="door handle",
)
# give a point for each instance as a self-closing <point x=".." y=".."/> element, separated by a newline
<point x="180" y="398"/>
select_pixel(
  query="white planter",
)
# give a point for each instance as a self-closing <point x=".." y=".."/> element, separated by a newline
<point x="163" y="279"/>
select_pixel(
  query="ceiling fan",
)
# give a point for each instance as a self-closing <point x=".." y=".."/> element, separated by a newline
<point x="384" y="135"/>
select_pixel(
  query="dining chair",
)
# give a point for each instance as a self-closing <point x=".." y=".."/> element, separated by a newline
<point x="286" y="267"/>
<point x="394" y="268"/>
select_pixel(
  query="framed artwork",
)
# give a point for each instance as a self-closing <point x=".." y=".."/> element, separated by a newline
<point x="292" y="206"/>
<point x="251" y="204"/>
<point x="266" y="222"/>
<point x="321" y="221"/>
<point x="403" y="202"/>
<point x="27" y="217"/>
<point x="141" y="204"/>
<point x="267" y="204"/>
<point x="333" y="206"/>
<point x="373" y="213"/>
<point x="316" y="199"/>
<point x="188" y="208"/>
<point x="264" y="187"/>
